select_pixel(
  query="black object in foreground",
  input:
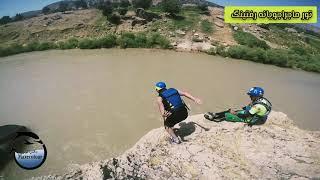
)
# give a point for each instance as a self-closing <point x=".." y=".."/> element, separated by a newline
<point x="212" y="117"/>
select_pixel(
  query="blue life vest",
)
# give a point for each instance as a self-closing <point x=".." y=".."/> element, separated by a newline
<point x="171" y="99"/>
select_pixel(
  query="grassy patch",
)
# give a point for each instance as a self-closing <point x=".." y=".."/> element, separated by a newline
<point x="206" y="26"/>
<point x="140" y="40"/>
<point x="69" y="44"/>
<point x="278" y="57"/>
<point x="279" y="36"/>
<point x="187" y="19"/>
<point x="245" y="38"/>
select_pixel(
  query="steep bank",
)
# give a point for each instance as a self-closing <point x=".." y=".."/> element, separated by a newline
<point x="210" y="150"/>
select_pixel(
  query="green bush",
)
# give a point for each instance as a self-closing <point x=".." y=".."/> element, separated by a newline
<point x="108" y="41"/>
<point x="203" y="7"/>
<point x="32" y="46"/>
<point x="123" y="10"/>
<point x="141" y="40"/>
<point x="87" y="44"/>
<point x="237" y="52"/>
<point x="310" y="63"/>
<point x="46" y="46"/>
<point x="171" y="6"/>
<point x="250" y="40"/>
<point x="212" y="51"/>
<point x="277" y="57"/>
<point x="124" y="3"/>
<point x="127" y="40"/>
<point x="221" y="50"/>
<point x="12" y="49"/>
<point x="206" y="26"/>
<point x="69" y="44"/>
<point x="256" y="55"/>
<point x="145" y="4"/>
<point x="114" y="19"/>
<point x="245" y="52"/>
<point x="156" y="39"/>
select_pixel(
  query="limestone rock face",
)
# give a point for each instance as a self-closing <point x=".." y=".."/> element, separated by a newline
<point x="275" y="150"/>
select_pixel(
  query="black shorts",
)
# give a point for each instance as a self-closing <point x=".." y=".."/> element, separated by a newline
<point x="176" y="117"/>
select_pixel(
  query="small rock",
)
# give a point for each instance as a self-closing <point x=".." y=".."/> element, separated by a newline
<point x="220" y="17"/>
<point x="56" y="17"/>
<point x="119" y="170"/>
<point x="180" y="32"/>
<point x="236" y="28"/>
<point x="219" y="24"/>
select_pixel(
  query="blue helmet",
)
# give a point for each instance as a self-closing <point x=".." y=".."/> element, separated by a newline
<point x="160" y="85"/>
<point x="255" y="92"/>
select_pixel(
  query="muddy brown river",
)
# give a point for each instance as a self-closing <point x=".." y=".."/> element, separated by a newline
<point x="88" y="105"/>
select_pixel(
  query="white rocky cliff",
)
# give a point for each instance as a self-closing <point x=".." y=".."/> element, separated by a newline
<point x="276" y="150"/>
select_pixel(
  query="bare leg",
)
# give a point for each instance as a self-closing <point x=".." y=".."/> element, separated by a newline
<point x="171" y="132"/>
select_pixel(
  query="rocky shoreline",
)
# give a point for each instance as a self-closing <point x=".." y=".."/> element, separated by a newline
<point x="276" y="150"/>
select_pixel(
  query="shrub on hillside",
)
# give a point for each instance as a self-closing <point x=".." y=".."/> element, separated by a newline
<point x="45" y="10"/>
<point x="206" y="26"/>
<point x="12" y="49"/>
<point x="81" y="4"/>
<point x="141" y="40"/>
<point x="63" y="6"/>
<point x="156" y="39"/>
<point x="46" y="46"/>
<point x="237" y="52"/>
<point x="18" y="17"/>
<point x="108" y="41"/>
<point x="245" y="38"/>
<point x="171" y="6"/>
<point x="256" y="55"/>
<point x="212" y="51"/>
<point x="127" y="40"/>
<point x="145" y="4"/>
<point x="245" y="52"/>
<point x="5" y="20"/>
<point x="277" y="57"/>
<point x="87" y="44"/>
<point x="124" y="3"/>
<point x="123" y="10"/>
<point x="221" y="50"/>
<point x="105" y="7"/>
<point x="114" y="19"/>
<point x="69" y="44"/>
<point x="32" y="46"/>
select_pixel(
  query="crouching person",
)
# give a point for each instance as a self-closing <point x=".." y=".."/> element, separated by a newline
<point x="255" y="113"/>
<point x="172" y="108"/>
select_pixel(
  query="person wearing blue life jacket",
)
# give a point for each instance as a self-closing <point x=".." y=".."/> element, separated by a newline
<point x="172" y="107"/>
<point x="256" y="113"/>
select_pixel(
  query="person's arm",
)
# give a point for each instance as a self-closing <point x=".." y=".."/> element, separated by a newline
<point x="163" y="112"/>
<point x="189" y="96"/>
<point x="249" y="113"/>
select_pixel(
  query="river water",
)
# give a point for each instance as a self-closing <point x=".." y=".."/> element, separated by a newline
<point x="88" y="105"/>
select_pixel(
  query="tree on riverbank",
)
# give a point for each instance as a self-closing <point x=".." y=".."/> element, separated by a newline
<point x="145" y="4"/>
<point x="5" y="20"/>
<point x="171" y="6"/>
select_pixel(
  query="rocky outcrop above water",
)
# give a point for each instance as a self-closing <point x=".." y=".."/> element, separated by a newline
<point x="7" y="133"/>
<point x="276" y="150"/>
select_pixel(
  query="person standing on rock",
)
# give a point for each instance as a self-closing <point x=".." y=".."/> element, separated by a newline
<point x="255" y="113"/>
<point x="172" y="107"/>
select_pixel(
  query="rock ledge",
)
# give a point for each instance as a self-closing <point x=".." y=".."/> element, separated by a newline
<point x="276" y="150"/>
